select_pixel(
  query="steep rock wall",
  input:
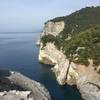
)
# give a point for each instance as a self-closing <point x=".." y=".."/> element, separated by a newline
<point x="53" y="28"/>
<point x="86" y="79"/>
<point x="50" y="55"/>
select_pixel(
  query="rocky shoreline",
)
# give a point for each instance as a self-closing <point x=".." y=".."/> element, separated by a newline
<point x="15" y="86"/>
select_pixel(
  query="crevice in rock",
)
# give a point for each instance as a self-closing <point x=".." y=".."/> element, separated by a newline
<point x="68" y="69"/>
<point x="94" y="85"/>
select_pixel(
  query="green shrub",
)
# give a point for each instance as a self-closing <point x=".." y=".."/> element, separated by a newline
<point x="47" y="38"/>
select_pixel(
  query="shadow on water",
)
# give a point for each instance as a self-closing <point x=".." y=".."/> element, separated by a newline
<point x="6" y="84"/>
<point x="58" y="92"/>
<point x="4" y="73"/>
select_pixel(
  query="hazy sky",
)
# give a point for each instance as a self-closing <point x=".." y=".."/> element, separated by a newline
<point x="30" y="15"/>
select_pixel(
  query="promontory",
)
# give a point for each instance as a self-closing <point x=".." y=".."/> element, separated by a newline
<point x="72" y="45"/>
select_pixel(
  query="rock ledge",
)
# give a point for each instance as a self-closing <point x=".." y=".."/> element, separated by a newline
<point x="15" y="86"/>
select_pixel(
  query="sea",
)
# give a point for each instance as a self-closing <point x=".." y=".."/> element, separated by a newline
<point x="18" y="52"/>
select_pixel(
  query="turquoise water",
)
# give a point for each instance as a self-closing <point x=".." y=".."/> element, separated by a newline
<point x="18" y="52"/>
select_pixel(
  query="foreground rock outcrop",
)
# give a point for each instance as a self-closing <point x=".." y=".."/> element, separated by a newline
<point x="15" y="95"/>
<point x="15" y="86"/>
<point x="86" y="79"/>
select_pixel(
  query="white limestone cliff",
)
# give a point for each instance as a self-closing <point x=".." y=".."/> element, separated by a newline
<point x="86" y="79"/>
<point x="53" y="28"/>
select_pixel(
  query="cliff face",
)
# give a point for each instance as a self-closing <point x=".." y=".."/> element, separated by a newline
<point x="86" y="79"/>
<point x="50" y="55"/>
<point x="53" y="28"/>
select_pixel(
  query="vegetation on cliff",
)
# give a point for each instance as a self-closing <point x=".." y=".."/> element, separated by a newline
<point x="79" y="21"/>
<point x="80" y="39"/>
<point x="84" y="46"/>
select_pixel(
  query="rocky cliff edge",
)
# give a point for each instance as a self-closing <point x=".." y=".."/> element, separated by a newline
<point x="86" y="79"/>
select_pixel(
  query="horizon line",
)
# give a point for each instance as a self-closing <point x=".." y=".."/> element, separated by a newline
<point x="20" y="32"/>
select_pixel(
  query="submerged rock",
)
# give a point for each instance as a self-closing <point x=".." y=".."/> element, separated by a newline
<point x="15" y="86"/>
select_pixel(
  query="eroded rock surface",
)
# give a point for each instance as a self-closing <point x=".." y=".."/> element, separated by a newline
<point x="16" y="86"/>
<point x="53" y="28"/>
<point x="15" y="95"/>
<point x="86" y="79"/>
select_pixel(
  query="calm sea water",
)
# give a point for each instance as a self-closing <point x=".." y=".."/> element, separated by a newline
<point x="18" y="52"/>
